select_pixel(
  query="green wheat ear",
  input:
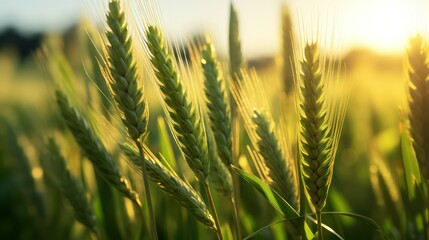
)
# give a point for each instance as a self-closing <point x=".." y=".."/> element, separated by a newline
<point x="280" y="171"/>
<point x="70" y="186"/>
<point x="316" y="144"/>
<point x="187" y="126"/>
<point x="94" y="149"/>
<point x="217" y="104"/>
<point x="123" y="78"/>
<point x="418" y="87"/>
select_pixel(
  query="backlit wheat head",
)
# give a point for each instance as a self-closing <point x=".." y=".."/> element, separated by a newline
<point x="320" y="120"/>
<point x="418" y="99"/>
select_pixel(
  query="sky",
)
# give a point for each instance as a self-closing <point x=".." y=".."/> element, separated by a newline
<point x="383" y="25"/>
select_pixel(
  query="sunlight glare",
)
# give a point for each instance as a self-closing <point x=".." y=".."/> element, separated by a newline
<point x="386" y="25"/>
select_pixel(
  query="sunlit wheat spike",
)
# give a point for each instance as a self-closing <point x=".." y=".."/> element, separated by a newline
<point x="93" y="148"/>
<point x="235" y="56"/>
<point x="123" y="77"/>
<point x="318" y="133"/>
<point x="418" y="99"/>
<point x="185" y="121"/>
<point x="70" y="186"/>
<point x="217" y="103"/>
<point x="288" y="53"/>
<point x="280" y="171"/>
<point x="169" y="182"/>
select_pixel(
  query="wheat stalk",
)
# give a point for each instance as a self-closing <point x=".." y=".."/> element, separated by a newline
<point x="217" y="104"/>
<point x="70" y="186"/>
<point x="127" y="93"/>
<point x="270" y="144"/>
<point x="123" y="79"/>
<point x="94" y="149"/>
<point x="169" y="182"/>
<point x="320" y="127"/>
<point x="418" y="100"/>
<point x="219" y="115"/>
<point x="280" y="171"/>
<point x="187" y="126"/>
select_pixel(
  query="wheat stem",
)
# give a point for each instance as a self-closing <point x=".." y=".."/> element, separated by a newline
<point x="319" y="225"/>
<point x="213" y="210"/>
<point x="153" y="232"/>
<point x="235" y="215"/>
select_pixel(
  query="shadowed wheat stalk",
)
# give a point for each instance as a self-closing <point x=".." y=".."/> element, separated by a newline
<point x="169" y="182"/>
<point x="320" y="127"/>
<point x="418" y="100"/>
<point x="70" y="186"/>
<point x="126" y="90"/>
<point x="94" y="149"/>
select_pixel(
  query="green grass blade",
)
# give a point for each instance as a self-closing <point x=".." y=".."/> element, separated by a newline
<point x="361" y="218"/>
<point x="279" y="204"/>
<point x="291" y="219"/>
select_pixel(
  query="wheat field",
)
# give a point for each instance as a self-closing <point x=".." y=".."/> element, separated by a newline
<point x="128" y="133"/>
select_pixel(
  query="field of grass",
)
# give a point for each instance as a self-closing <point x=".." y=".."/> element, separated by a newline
<point x="303" y="147"/>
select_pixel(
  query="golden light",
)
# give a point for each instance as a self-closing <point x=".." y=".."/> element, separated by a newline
<point x="381" y="25"/>
<point x="384" y="25"/>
